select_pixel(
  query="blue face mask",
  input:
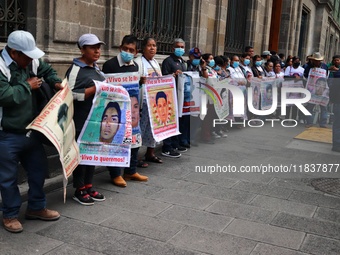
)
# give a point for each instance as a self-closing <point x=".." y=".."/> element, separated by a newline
<point x="258" y="63"/>
<point x="179" y="52"/>
<point x="247" y="61"/>
<point x="228" y="65"/>
<point x="236" y="64"/>
<point x="126" y="56"/>
<point x="212" y="63"/>
<point x="195" y="62"/>
<point x="217" y="68"/>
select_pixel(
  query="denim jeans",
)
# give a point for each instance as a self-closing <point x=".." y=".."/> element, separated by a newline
<point x="336" y="126"/>
<point x="323" y="116"/>
<point x="30" y="152"/>
<point x="117" y="171"/>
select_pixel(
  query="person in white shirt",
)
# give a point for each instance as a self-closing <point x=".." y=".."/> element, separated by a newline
<point x="295" y="70"/>
<point x="236" y="72"/>
<point x="245" y="65"/>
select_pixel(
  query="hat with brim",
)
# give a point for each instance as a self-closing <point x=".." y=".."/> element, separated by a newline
<point x="316" y="56"/>
<point x="266" y="53"/>
<point x="89" y="39"/>
<point x="23" y="41"/>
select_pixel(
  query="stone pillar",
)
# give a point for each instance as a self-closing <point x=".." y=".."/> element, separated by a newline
<point x="220" y="27"/>
<point x="120" y="21"/>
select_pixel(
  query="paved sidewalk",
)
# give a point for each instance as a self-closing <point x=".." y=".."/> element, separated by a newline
<point x="180" y="211"/>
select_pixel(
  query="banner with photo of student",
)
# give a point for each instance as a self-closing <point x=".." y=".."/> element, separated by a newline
<point x="55" y="122"/>
<point x="221" y="102"/>
<point x="130" y="81"/>
<point x="293" y="83"/>
<point x="256" y="91"/>
<point x="318" y="87"/>
<point x="189" y="94"/>
<point x="161" y="99"/>
<point x="105" y="139"/>
<point x="267" y="86"/>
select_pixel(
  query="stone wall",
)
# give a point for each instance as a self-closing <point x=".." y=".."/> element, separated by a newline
<point x="57" y="24"/>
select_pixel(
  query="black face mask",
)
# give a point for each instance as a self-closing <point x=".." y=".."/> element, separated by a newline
<point x="296" y="65"/>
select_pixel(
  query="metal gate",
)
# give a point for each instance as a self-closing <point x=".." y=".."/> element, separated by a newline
<point x="236" y="27"/>
<point x="162" y="19"/>
<point x="12" y="17"/>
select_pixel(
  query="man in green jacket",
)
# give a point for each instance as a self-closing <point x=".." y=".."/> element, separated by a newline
<point x="19" y="61"/>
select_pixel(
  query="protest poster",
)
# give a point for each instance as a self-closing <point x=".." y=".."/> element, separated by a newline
<point x="188" y="94"/>
<point x="267" y="86"/>
<point x="293" y="83"/>
<point x="105" y="139"/>
<point x="55" y="122"/>
<point x="256" y="88"/>
<point x="221" y="104"/>
<point x="130" y="81"/>
<point x="318" y="87"/>
<point x="161" y="99"/>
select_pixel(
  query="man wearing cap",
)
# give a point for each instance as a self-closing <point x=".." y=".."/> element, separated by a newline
<point x="123" y="63"/>
<point x="17" y="109"/>
<point x="265" y="56"/>
<point x="80" y="76"/>
<point x="315" y="61"/>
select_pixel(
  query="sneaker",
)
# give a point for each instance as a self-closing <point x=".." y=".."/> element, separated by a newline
<point x="215" y="135"/>
<point x="44" y="214"/>
<point x="222" y="134"/>
<point x="95" y="195"/>
<point x="82" y="197"/>
<point x="185" y="145"/>
<point x="12" y="225"/>
<point x="181" y="149"/>
<point x="171" y="154"/>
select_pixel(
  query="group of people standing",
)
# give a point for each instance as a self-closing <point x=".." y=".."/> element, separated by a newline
<point x="17" y="92"/>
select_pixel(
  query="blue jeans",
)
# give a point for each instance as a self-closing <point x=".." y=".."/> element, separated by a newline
<point x="32" y="156"/>
<point x="336" y="126"/>
<point x="117" y="171"/>
<point x="323" y="116"/>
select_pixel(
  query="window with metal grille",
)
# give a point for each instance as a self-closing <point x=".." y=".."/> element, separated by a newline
<point x="161" y="19"/>
<point x="12" y="17"/>
<point x="236" y="27"/>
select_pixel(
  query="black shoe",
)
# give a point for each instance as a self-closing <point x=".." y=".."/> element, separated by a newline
<point x="82" y="197"/>
<point x="171" y="154"/>
<point x="95" y="195"/>
<point x="185" y="145"/>
<point x="181" y="149"/>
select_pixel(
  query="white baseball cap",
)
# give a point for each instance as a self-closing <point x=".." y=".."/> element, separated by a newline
<point x="24" y="41"/>
<point x="88" y="39"/>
